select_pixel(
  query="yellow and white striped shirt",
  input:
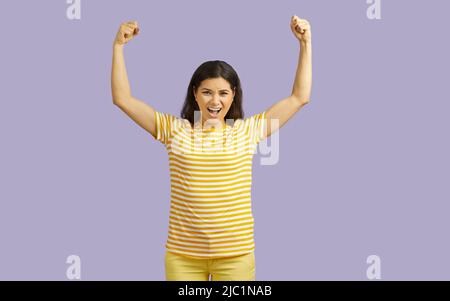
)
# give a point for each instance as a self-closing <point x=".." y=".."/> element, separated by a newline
<point x="210" y="177"/>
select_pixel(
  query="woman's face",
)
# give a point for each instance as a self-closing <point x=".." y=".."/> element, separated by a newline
<point x="214" y="97"/>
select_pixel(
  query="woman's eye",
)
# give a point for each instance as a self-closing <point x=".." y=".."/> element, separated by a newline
<point x="210" y="92"/>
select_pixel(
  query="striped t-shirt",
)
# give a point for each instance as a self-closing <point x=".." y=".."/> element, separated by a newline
<point x="210" y="179"/>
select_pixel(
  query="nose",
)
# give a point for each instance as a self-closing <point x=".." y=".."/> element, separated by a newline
<point x="215" y="100"/>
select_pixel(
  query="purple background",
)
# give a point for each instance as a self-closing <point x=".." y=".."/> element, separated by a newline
<point x="363" y="168"/>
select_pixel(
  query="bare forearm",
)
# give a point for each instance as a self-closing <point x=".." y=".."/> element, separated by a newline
<point x="303" y="76"/>
<point x="119" y="79"/>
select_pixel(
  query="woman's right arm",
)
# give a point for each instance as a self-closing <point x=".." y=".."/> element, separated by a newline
<point x="142" y="113"/>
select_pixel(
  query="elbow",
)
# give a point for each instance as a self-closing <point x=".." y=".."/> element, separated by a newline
<point x="305" y="101"/>
<point x="118" y="100"/>
<point x="301" y="101"/>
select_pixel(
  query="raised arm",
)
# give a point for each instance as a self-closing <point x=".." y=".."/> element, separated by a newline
<point x="284" y="109"/>
<point x="139" y="111"/>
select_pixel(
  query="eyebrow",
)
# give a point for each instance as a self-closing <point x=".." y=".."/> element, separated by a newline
<point x="220" y="90"/>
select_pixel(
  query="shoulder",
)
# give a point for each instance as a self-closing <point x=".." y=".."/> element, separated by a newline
<point x="171" y="121"/>
<point x="252" y="120"/>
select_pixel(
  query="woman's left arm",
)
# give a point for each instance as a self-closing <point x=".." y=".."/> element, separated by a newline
<point x="279" y="113"/>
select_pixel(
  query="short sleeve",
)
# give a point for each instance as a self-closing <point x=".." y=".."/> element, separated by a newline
<point x="255" y="126"/>
<point x="164" y="125"/>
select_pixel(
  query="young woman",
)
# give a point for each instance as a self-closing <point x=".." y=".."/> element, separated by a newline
<point x="210" y="150"/>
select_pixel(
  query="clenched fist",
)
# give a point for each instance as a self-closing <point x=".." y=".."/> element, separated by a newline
<point x="301" y="29"/>
<point x="126" y="32"/>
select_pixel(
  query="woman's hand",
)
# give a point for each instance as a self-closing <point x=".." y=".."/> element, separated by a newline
<point x="301" y="29"/>
<point x="126" y="32"/>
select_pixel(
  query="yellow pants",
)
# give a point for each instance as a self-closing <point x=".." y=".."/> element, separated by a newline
<point x="236" y="268"/>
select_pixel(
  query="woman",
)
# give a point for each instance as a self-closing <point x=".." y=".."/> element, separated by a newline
<point x="210" y="152"/>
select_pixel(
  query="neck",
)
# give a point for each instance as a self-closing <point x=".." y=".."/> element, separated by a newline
<point x="217" y="124"/>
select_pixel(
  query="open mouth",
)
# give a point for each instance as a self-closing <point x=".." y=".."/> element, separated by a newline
<point x="214" y="111"/>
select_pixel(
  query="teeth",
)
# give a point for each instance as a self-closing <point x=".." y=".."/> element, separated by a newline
<point x="214" y="110"/>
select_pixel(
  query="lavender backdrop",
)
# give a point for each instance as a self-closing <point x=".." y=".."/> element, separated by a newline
<point x="363" y="168"/>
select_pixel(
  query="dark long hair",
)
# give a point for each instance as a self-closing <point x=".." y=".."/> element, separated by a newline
<point x="213" y="69"/>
